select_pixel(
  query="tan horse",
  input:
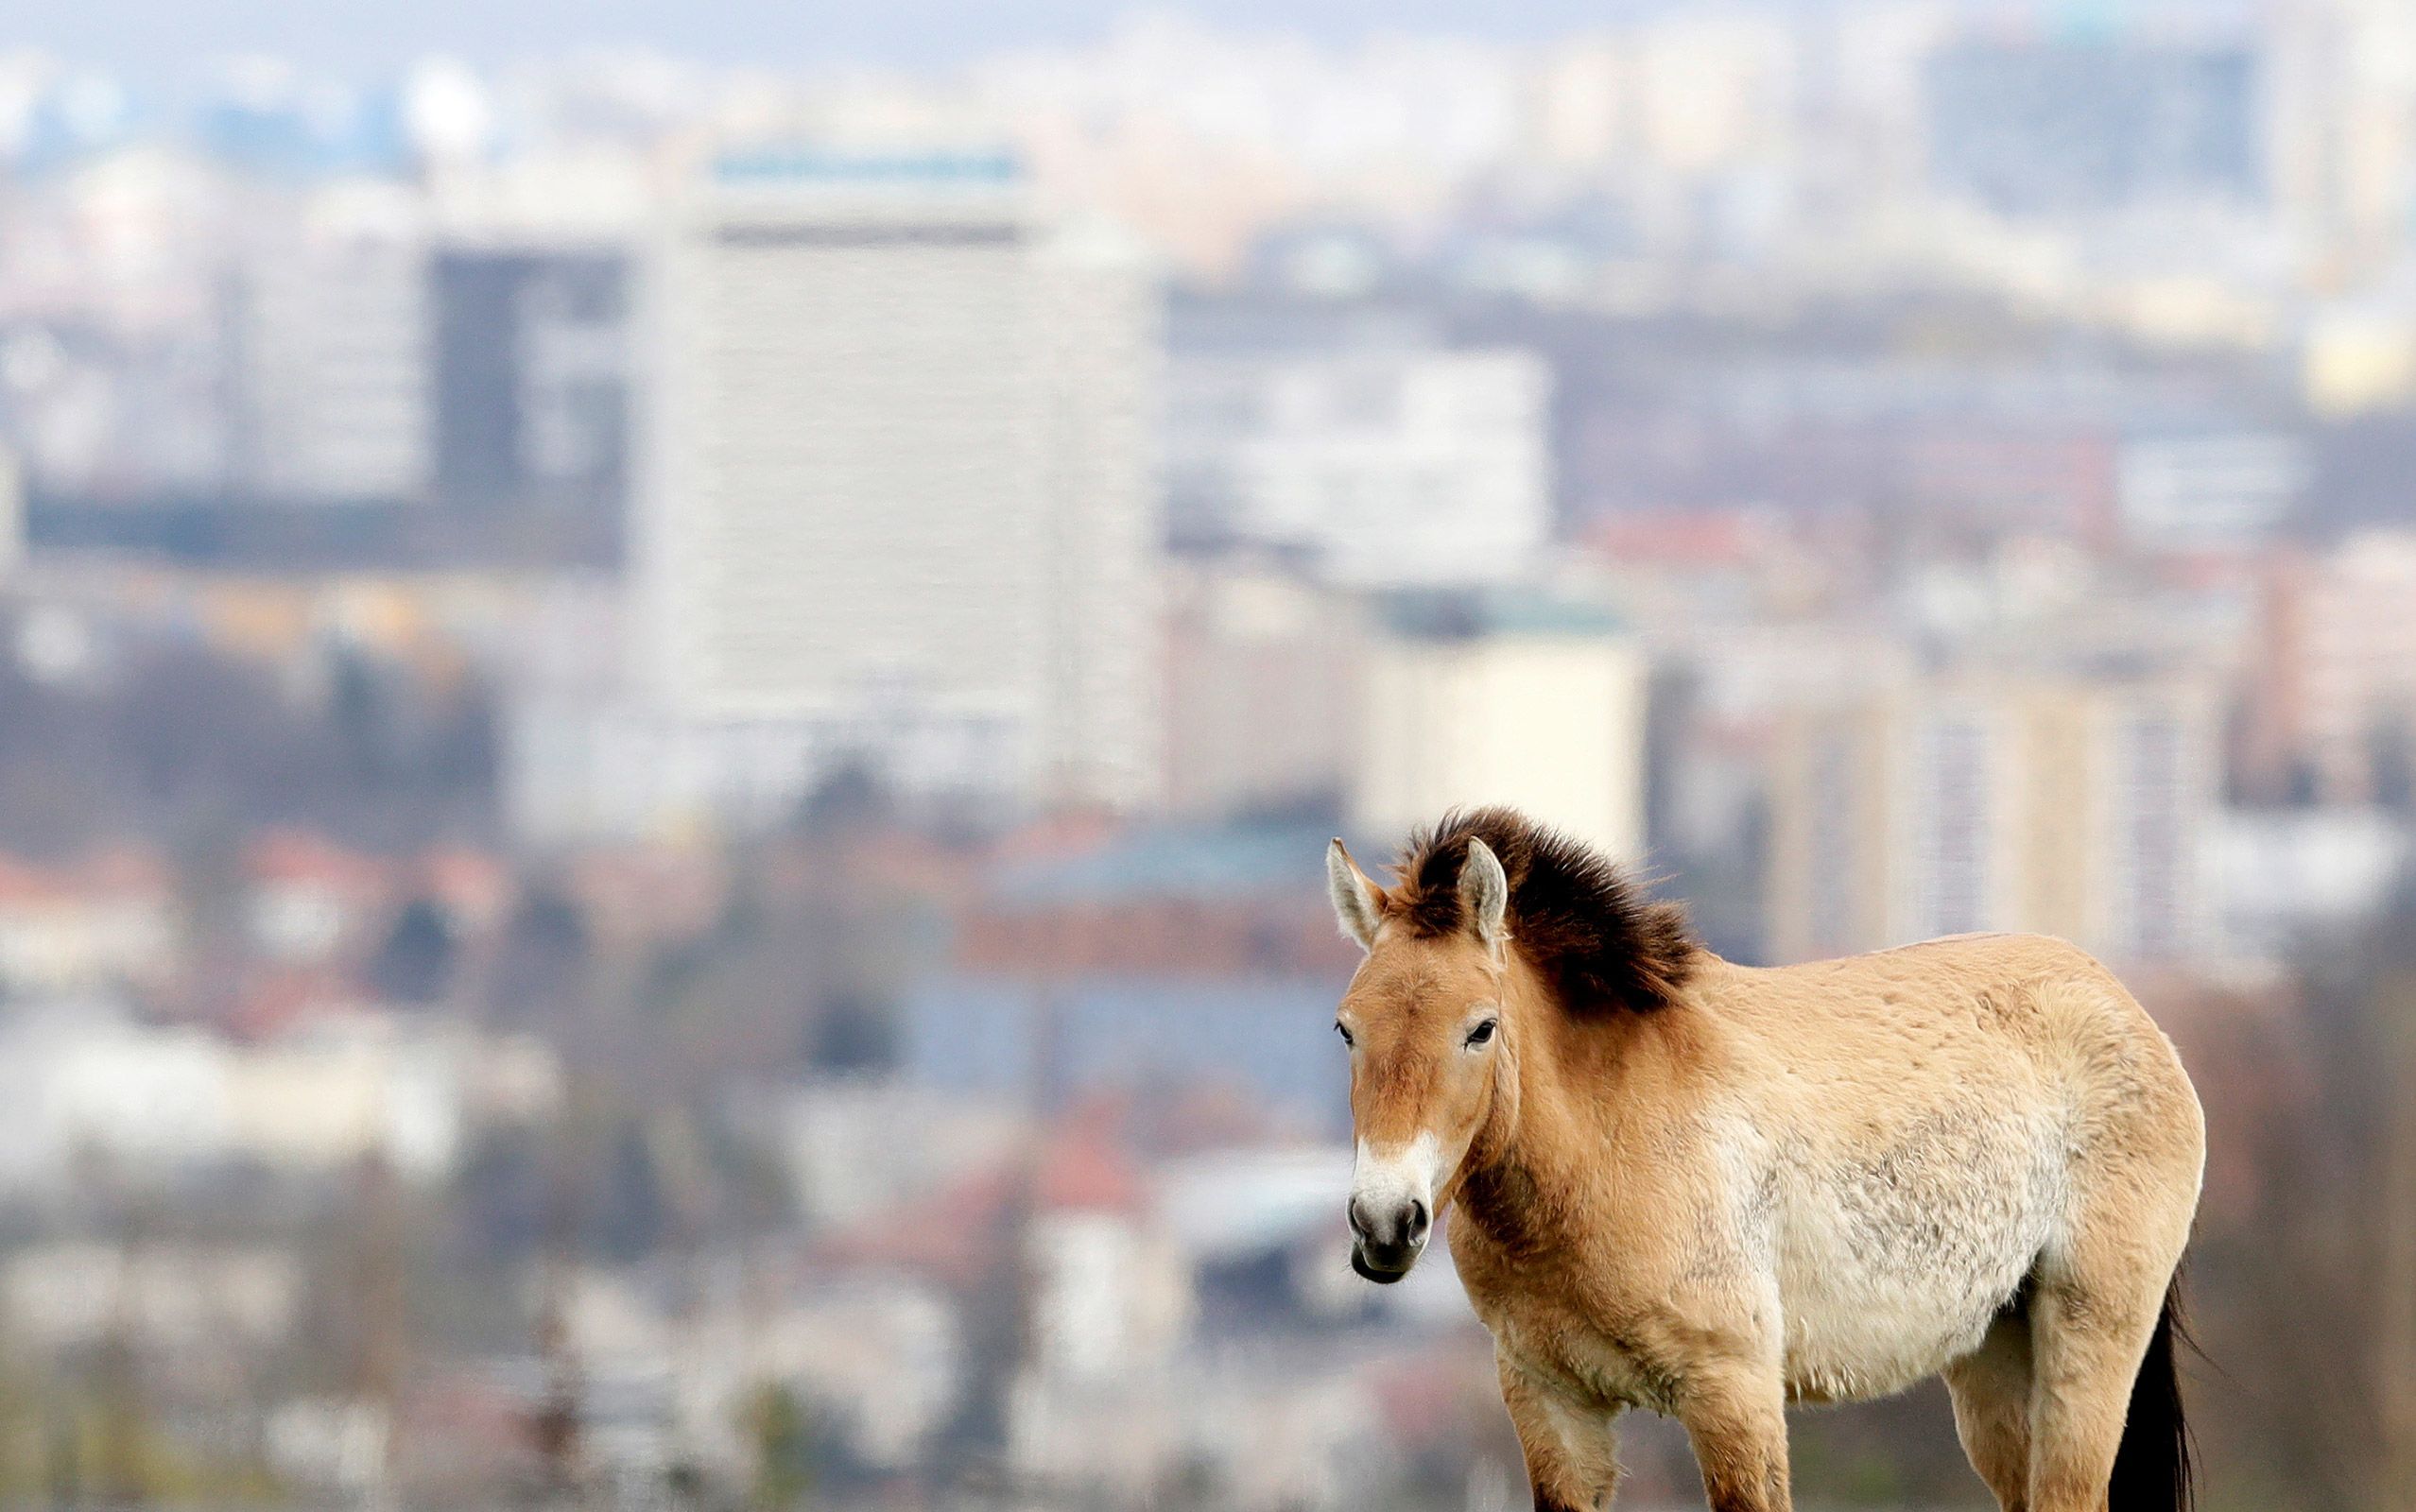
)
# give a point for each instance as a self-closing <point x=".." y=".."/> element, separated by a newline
<point x="1709" y="1190"/>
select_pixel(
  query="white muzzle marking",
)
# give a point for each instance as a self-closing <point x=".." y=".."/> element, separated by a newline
<point x="1393" y="1203"/>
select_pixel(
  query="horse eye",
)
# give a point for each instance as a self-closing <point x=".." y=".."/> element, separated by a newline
<point x="1483" y="1032"/>
<point x="1345" y="1034"/>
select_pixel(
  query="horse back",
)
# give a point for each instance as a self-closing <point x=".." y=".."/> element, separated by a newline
<point x="2021" y="1015"/>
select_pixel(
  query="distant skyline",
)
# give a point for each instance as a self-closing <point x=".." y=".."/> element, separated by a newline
<point x="160" y="38"/>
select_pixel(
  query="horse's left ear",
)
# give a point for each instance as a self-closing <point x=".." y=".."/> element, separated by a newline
<point x="1484" y="894"/>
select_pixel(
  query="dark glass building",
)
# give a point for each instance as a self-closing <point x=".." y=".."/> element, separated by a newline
<point x="532" y="410"/>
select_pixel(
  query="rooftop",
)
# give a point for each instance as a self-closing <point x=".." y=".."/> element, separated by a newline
<point x="1171" y="863"/>
<point x="1469" y="615"/>
<point x="825" y="165"/>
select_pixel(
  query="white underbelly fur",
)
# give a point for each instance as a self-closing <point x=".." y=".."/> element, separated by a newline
<point x="1889" y="1269"/>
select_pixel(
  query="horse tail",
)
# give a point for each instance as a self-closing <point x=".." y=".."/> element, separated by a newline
<point x="2154" y="1470"/>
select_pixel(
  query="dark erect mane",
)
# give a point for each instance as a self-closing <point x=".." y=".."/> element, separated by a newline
<point x="1577" y="917"/>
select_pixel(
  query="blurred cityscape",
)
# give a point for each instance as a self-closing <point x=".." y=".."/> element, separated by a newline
<point x="665" y="729"/>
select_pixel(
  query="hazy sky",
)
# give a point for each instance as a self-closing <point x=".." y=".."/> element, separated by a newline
<point x="145" y="37"/>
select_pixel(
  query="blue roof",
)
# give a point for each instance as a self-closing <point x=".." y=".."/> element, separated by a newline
<point x="813" y="164"/>
<point x="1173" y="863"/>
<point x="1272" y="1037"/>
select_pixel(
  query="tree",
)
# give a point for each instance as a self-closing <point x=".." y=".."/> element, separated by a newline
<point x="415" y="965"/>
<point x="2301" y="1289"/>
<point x="541" y="966"/>
<point x="854" y="1033"/>
<point x="780" y="1431"/>
<point x="634" y="1212"/>
<point x="850" y="798"/>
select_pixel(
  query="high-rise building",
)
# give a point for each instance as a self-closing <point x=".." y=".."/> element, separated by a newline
<point x="1495" y="697"/>
<point x="532" y="391"/>
<point x="896" y="490"/>
<point x="2331" y="676"/>
<point x="2044" y="127"/>
<point x="329" y="335"/>
<point x="2059" y="804"/>
<point x="2342" y="133"/>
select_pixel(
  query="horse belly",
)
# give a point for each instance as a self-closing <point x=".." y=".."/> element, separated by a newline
<point x="1891" y="1267"/>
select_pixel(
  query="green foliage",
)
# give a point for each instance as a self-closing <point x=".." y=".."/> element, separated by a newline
<point x="780" y="1430"/>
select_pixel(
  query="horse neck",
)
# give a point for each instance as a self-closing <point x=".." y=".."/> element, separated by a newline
<point x="1575" y="1087"/>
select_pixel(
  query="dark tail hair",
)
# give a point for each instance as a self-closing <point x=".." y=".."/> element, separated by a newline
<point x="2153" y="1469"/>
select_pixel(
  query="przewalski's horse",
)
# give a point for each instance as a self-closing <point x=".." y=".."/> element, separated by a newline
<point x="1709" y="1190"/>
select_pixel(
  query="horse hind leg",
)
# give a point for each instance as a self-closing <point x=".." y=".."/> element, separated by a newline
<point x="1990" y="1389"/>
<point x="2087" y="1348"/>
<point x="2102" y="1362"/>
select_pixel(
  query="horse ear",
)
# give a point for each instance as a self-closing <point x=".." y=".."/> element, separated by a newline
<point x="1359" y="904"/>
<point x="1484" y="894"/>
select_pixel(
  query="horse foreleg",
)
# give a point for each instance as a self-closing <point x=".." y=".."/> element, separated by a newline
<point x="1736" y="1417"/>
<point x="1571" y="1451"/>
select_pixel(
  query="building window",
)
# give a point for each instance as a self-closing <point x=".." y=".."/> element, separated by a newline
<point x="1958" y="850"/>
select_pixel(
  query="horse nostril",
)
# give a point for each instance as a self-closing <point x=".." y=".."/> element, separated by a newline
<point x="1388" y="1224"/>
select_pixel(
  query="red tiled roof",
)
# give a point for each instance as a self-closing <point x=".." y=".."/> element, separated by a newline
<point x="115" y="873"/>
<point x="279" y="999"/>
<point x="945" y="1236"/>
<point x="467" y="880"/>
<point x="1689" y="538"/>
<point x="1085" y="1174"/>
<point x="121" y="870"/>
<point x="299" y="856"/>
<point x="21" y="884"/>
<point x="1082" y="1166"/>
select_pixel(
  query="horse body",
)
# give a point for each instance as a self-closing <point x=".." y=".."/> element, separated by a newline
<point x="1922" y="1151"/>
<point x="1974" y="1157"/>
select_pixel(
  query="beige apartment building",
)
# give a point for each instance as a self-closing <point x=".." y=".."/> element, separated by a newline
<point x="1502" y="697"/>
<point x="2054" y="803"/>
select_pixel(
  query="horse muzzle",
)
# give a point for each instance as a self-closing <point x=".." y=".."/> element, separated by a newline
<point x="1387" y="1237"/>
